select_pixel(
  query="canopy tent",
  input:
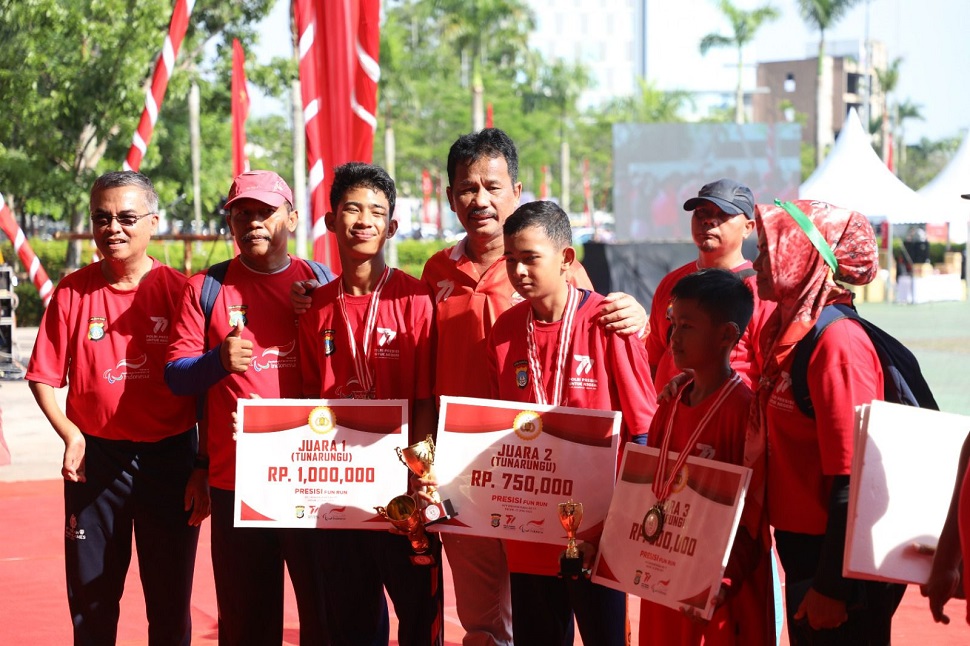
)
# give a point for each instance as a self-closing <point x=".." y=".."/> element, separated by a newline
<point x="853" y="177"/>
<point x="944" y="191"/>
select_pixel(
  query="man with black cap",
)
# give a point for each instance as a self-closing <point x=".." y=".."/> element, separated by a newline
<point x="244" y="345"/>
<point x="723" y="216"/>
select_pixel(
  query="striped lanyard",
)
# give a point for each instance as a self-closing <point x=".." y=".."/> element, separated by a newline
<point x="661" y="483"/>
<point x="365" y="374"/>
<point x="562" y="350"/>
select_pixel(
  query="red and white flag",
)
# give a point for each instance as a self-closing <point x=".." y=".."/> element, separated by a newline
<point x="8" y="224"/>
<point x="155" y="95"/>
<point x="339" y="44"/>
<point x="240" y="109"/>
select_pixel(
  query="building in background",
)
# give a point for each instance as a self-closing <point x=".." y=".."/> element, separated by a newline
<point x="607" y="36"/>
<point x="786" y="89"/>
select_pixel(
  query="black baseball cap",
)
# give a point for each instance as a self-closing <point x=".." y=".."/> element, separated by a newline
<point x="728" y="195"/>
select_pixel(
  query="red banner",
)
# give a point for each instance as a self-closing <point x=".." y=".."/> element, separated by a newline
<point x="163" y="71"/>
<point x="240" y="109"/>
<point x="339" y="43"/>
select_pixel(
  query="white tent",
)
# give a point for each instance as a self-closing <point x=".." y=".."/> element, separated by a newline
<point x="944" y="191"/>
<point x="853" y="177"/>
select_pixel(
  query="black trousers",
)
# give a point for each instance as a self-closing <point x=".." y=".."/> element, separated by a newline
<point x="360" y="564"/>
<point x="247" y="563"/>
<point x="870" y="609"/>
<point x="132" y="488"/>
<point x="543" y="608"/>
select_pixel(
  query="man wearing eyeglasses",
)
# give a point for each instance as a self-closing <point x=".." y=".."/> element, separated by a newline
<point x="130" y="444"/>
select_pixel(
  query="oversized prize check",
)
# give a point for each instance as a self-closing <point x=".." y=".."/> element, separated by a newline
<point x="318" y="463"/>
<point x="683" y="568"/>
<point x="506" y="466"/>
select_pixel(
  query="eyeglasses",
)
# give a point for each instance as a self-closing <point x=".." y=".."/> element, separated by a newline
<point x="103" y="221"/>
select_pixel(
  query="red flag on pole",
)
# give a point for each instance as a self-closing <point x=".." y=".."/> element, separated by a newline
<point x="8" y="224"/>
<point x="544" y="184"/>
<point x="240" y="110"/>
<point x="163" y="71"/>
<point x="339" y="43"/>
<point x="488" y="116"/>
<point x="587" y="207"/>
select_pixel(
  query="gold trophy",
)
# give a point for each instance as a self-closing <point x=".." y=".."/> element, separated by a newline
<point x="419" y="458"/>
<point x="402" y="512"/>
<point x="571" y="560"/>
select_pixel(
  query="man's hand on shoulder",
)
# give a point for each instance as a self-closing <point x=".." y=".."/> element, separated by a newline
<point x="621" y="313"/>
<point x="300" y="294"/>
<point x="236" y="352"/>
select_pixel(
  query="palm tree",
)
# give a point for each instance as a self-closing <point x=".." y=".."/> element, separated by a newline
<point x="822" y="15"/>
<point x="744" y="24"/>
<point x="472" y="25"/>
<point x="888" y="80"/>
<point x="905" y="111"/>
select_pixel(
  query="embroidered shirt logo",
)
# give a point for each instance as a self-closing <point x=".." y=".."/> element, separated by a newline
<point x="96" y="325"/>
<point x="521" y="373"/>
<point x="385" y="336"/>
<point x="161" y="324"/>
<point x="329" y="347"/>
<point x="237" y="314"/>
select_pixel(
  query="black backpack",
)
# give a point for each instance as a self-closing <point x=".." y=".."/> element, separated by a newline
<point x="903" y="381"/>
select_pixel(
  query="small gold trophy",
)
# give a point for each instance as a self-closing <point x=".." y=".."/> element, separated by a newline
<point x="571" y="560"/>
<point x="419" y="458"/>
<point x="402" y="512"/>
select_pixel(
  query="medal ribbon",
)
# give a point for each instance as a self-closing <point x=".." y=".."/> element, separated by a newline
<point x="661" y="483"/>
<point x="562" y="350"/>
<point x="365" y="375"/>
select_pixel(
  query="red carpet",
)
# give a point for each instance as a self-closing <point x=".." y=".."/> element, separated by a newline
<point x="33" y="605"/>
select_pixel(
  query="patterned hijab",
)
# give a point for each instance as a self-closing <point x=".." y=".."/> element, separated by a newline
<point x="802" y="283"/>
<point x="801" y="280"/>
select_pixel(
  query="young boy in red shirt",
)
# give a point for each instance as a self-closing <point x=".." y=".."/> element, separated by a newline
<point x="369" y="335"/>
<point x="708" y="418"/>
<point x="573" y="362"/>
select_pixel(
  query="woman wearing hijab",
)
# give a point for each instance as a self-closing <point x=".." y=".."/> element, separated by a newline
<point x="804" y="248"/>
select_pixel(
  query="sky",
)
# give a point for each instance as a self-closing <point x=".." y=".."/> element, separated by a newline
<point x="931" y="36"/>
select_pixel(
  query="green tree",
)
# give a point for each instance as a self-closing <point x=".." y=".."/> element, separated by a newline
<point x="73" y="77"/>
<point x="822" y="15"/>
<point x="744" y="26"/>
<point x="888" y="80"/>
<point x="484" y="32"/>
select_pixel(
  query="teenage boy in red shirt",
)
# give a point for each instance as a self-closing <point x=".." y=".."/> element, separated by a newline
<point x="368" y="335"/>
<point x="708" y="418"/>
<point x="560" y="320"/>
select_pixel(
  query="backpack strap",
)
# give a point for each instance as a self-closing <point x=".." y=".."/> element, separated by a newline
<point x="211" y="285"/>
<point x="803" y="354"/>
<point x="320" y="271"/>
<point x="746" y="273"/>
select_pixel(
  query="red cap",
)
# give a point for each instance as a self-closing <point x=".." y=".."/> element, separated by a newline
<point x="261" y="185"/>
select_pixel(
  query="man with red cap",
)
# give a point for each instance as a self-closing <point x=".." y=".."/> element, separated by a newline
<point x="247" y="347"/>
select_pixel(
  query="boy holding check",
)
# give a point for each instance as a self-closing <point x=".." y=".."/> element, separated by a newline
<point x="549" y="350"/>
<point x="708" y="418"/>
<point x="368" y="335"/>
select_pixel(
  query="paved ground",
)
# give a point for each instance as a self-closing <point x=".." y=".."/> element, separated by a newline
<point x="36" y="610"/>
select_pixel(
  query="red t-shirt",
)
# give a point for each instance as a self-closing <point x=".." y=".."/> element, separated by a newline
<point x="804" y="453"/>
<point x="108" y="346"/>
<point x="605" y="372"/>
<point x="401" y="356"/>
<point x="263" y="302"/>
<point x="746" y="356"/>
<point x="721" y="440"/>
<point x="466" y="307"/>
